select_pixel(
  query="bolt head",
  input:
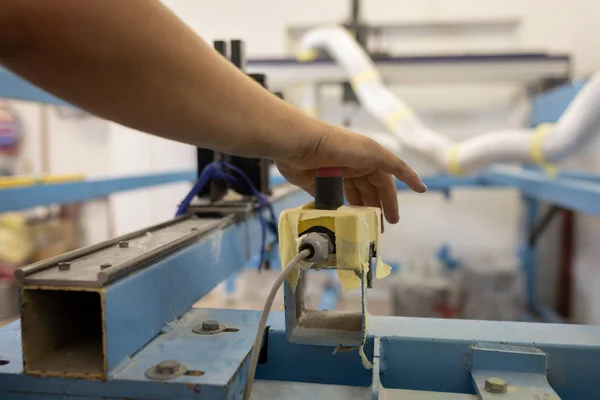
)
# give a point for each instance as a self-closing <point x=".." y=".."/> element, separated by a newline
<point x="210" y="325"/>
<point x="105" y="265"/>
<point x="169" y="367"/>
<point x="64" y="266"/>
<point x="124" y="244"/>
<point x="496" y="385"/>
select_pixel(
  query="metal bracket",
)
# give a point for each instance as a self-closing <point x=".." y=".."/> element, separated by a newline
<point x="241" y="210"/>
<point x="510" y="373"/>
<point x="320" y="327"/>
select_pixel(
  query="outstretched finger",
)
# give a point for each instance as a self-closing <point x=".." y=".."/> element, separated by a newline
<point x="395" y="166"/>
<point x="388" y="195"/>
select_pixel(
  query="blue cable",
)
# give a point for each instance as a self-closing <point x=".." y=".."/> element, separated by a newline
<point x="216" y="170"/>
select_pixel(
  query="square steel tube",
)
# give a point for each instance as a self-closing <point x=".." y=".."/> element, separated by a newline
<point x="88" y="332"/>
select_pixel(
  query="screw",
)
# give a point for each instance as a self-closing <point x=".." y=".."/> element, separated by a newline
<point x="64" y="266"/>
<point x="210" y="325"/>
<point x="169" y="367"/>
<point x="105" y="266"/>
<point x="124" y="244"/>
<point x="496" y="385"/>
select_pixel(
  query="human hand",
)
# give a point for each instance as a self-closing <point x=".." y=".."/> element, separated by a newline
<point x="369" y="169"/>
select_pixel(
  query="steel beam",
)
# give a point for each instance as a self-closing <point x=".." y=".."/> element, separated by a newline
<point x="15" y="87"/>
<point x="128" y="311"/>
<point x="217" y="364"/>
<point x="527" y="69"/>
<point x="437" y="355"/>
<point x="71" y="192"/>
<point x="581" y="196"/>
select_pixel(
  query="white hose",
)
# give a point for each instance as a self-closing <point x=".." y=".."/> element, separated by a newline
<point x="578" y="125"/>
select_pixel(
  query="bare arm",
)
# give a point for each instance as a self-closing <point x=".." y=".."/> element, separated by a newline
<point x="134" y="62"/>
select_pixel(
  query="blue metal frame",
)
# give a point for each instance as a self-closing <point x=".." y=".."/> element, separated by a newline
<point x="172" y="285"/>
<point x="432" y="355"/>
<point x="15" y="87"/>
<point x="20" y="198"/>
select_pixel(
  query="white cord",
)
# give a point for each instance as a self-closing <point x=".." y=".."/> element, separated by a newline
<point x="262" y="324"/>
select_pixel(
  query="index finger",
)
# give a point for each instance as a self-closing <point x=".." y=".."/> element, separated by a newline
<point x="395" y="166"/>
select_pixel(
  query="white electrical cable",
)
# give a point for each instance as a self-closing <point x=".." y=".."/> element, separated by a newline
<point x="578" y="125"/>
<point x="262" y="323"/>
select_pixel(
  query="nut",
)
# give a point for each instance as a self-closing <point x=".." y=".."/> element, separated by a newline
<point x="64" y="266"/>
<point x="169" y="367"/>
<point x="166" y="370"/>
<point x="210" y="325"/>
<point x="105" y="266"/>
<point x="124" y="244"/>
<point x="496" y="385"/>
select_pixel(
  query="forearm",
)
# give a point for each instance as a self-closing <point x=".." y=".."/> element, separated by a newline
<point x="136" y="63"/>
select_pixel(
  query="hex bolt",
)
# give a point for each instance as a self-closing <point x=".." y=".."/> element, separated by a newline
<point x="124" y="244"/>
<point x="496" y="385"/>
<point x="64" y="266"/>
<point x="105" y="266"/>
<point x="210" y="325"/>
<point x="170" y="367"/>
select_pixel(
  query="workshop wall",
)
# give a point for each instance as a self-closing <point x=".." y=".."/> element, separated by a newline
<point x="487" y="220"/>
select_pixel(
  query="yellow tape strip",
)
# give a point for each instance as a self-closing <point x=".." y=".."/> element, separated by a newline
<point x="367" y="75"/>
<point x="536" y="152"/>
<point x="396" y="117"/>
<point x="16" y="181"/>
<point x="453" y="166"/>
<point x="307" y="55"/>
<point x="62" y="178"/>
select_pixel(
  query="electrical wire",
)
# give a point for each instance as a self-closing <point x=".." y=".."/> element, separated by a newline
<point x="262" y="323"/>
<point x="217" y="170"/>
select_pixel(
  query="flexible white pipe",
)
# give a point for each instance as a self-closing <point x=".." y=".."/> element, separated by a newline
<point x="579" y="123"/>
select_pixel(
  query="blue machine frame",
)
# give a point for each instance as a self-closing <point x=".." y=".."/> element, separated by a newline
<point x="539" y="361"/>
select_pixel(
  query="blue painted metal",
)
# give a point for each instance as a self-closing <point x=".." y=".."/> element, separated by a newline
<point x="436" y="354"/>
<point x="70" y="192"/>
<point x="522" y="367"/>
<point x="165" y="290"/>
<point x="549" y="106"/>
<point x="15" y="87"/>
<point x="581" y="196"/>
<point x="301" y="363"/>
<point x="527" y="254"/>
<point x="223" y="358"/>
<point x="230" y="283"/>
<point x="547" y="314"/>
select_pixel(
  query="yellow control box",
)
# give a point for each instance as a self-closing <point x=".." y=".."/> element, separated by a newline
<point x="356" y="232"/>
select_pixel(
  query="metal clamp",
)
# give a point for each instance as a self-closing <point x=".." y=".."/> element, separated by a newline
<point x="510" y="373"/>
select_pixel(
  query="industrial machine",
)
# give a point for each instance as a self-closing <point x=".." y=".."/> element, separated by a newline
<point x="114" y="321"/>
